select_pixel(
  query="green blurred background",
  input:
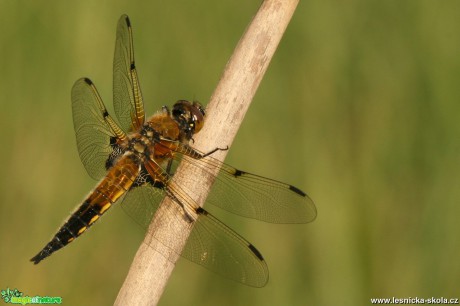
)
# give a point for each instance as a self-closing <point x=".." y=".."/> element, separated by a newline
<point x="360" y="107"/>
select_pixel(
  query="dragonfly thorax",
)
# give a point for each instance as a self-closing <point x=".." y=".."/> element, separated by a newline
<point x="180" y="124"/>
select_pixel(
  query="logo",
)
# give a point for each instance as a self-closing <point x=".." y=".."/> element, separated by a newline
<point x="16" y="297"/>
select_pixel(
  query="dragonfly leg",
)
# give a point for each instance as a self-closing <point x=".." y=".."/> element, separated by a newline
<point x="187" y="217"/>
<point x="215" y="150"/>
<point x="169" y="166"/>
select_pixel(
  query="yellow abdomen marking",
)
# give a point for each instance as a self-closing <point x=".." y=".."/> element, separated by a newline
<point x="93" y="219"/>
<point x="104" y="208"/>
<point x="81" y="230"/>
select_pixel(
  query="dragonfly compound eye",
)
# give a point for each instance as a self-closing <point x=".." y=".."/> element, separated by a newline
<point x="190" y="116"/>
<point x="197" y="116"/>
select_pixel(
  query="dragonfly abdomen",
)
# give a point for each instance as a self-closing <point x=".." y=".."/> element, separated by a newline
<point x="78" y="223"/>
<point x="117" y="181"/>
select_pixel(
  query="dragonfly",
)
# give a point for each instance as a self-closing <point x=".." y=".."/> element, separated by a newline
<point x="135" y="159"/>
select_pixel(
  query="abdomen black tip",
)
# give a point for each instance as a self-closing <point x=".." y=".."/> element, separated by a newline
<point x="37" y="258"/>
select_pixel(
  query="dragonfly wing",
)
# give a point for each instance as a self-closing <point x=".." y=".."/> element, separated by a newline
<point x="141" y="203"/>
<point x="211" y="243"/>
<point x="247" y="194"/>
<point x="127" y="96"/>
<point x="260" y="198"/>
<point x="94" y="128"/>
<point x="218" y="248"/>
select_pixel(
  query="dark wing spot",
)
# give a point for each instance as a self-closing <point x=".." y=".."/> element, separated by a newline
<point x="297" y="190"/>
<point x="116" y="152"/>
<point x="256" y="252"/>
<point x="113" y="141"/>
<point x="201" y="211"/>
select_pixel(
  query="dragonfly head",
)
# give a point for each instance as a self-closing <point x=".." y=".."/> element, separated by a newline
<point x="189" y="116"/>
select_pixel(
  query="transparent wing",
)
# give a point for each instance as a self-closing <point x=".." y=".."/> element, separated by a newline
<point x="94" y="128"/>
<point x="141" y="203"/>
<point x="211" y="243"/>
<point x="218" y="248"/>
<point x="257" y="197"/>
<point x="251" y="195"/>
<point x="127" y="96"/>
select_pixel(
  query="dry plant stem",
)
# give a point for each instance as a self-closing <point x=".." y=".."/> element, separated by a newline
<point x="151" y="268"/>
